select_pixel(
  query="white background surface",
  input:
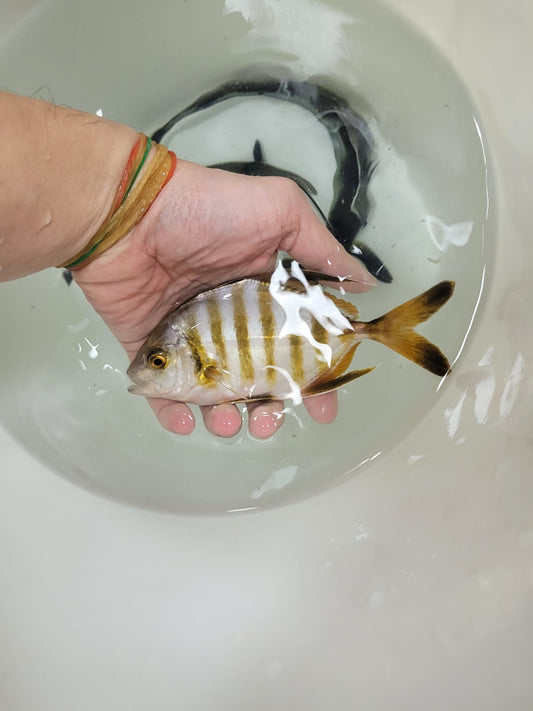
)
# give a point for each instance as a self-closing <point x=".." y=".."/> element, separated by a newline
<point x="410" y="586"/>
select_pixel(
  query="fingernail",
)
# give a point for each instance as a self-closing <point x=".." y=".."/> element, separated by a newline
<point x="265" y="423"/>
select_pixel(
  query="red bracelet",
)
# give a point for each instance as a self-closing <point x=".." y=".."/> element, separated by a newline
<point x="130" y="169"/>
<point x="136" y="192"/>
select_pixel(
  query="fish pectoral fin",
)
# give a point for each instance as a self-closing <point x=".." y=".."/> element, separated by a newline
<point x="215" y="376"/>
<point x="326" y="386"/>
<point x="211" y="375"/>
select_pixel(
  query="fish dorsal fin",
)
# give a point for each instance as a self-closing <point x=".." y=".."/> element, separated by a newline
<point x="294" y="285"/>
<point x="345" y="307"/>
<point x="314" y="277"/>
<point x="258" y="153"/>
<point x="291" y="284"/>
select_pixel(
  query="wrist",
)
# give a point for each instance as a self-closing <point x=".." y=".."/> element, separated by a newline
<point x="148" y="169"/>
<point x="59" y="172"/>
<point x="106" y="147"/>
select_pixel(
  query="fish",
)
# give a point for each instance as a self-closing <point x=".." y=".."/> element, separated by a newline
<point x="352" y="144"/>
<point x="274" y="338"/>
<point x="258" y="167"/>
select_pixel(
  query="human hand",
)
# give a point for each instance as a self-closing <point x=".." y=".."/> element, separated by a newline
<point x="209" y="226"/>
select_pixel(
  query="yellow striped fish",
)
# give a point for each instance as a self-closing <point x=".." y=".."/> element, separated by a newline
<point x="230" y="343"/>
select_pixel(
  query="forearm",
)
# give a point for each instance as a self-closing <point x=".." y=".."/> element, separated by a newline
<point x="59" y="173"/>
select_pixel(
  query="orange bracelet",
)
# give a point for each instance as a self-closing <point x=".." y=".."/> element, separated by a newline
<point x="134" y="198"/>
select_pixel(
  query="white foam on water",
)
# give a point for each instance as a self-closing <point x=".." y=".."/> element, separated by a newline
<point x="279" y="479"/>
<point x="445" y="236"/>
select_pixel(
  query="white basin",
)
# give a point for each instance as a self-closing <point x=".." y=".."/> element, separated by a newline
<point x="405" y="585"/>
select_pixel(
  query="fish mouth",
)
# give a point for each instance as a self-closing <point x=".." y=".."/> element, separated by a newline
<point x="145" y="389"/>
<point x="138" y="389"/>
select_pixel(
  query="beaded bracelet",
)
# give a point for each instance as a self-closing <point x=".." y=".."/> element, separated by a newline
<point x="135" y="195"/>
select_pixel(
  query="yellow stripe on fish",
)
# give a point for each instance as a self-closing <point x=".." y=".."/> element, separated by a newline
<point x="268" y="326"/>
<point x="296" y="369"/>
<point x="240" y="321"/>
<point x="194" y="339"/>
<point x="217" y="332"/>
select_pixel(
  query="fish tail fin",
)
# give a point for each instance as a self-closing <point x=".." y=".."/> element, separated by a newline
<point x="396" y="328"/>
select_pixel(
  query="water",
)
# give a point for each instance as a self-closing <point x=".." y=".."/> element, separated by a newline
<point x="63" y="393"/>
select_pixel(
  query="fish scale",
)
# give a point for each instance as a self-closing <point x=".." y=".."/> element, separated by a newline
<point x="235" y="327"/>
<point x="225" y="344"/>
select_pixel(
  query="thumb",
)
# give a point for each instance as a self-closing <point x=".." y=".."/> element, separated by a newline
<point x="312" y="244"/>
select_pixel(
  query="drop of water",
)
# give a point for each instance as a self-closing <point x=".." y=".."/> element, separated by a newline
<point x="93" y="352"/>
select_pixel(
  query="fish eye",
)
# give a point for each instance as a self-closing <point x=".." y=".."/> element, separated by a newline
<point x="158" y="360"/>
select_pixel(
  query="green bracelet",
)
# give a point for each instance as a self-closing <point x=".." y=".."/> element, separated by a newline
<point x="147" y="150"/>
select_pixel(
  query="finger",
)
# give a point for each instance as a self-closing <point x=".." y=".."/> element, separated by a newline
<point x="310" y="243"/>
<point x="173" y="416"/>
<point x="265" y="418"/>
<point x="223" y="420"/>
<point x="322" y="408"/>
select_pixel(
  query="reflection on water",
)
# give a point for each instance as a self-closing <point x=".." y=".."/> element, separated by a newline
<point x="445" y="236"/>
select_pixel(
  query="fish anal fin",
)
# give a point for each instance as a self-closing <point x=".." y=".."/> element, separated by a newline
<point x="336" y="371"/>
<point x="326" y="386"/>
<point x="339" y="367"/>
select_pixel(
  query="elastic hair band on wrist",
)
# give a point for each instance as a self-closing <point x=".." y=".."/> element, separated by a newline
<point x="136" y="192"/>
